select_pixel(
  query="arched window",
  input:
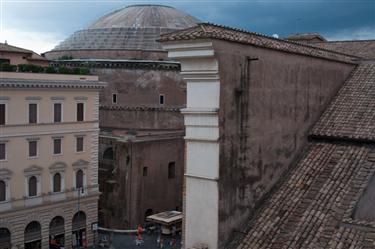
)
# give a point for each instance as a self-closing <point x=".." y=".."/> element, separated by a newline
<point x="79" y="179"/>
<point x="33" y="232"/>
<point x="108" y="154"/>
<point x="4" y="238"/>
<point x="32" y="186"/>
<point x="2" y="191"/>
<point x="57" y="182"/>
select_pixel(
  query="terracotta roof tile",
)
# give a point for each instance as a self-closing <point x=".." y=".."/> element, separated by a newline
<point x="351" y="114"/>
<point x="361" y="48"/>
<point x="309" y="208"/>
<point x="8" y="48"/>
<point x="213" y="31"/>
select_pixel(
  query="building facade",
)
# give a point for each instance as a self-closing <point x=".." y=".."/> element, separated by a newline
<point x="48" y="159"/>
<point x="140" y="117"/>
<point x="251" y="100"/>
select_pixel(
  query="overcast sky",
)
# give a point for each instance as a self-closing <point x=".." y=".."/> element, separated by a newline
<point x="41" y="24"/>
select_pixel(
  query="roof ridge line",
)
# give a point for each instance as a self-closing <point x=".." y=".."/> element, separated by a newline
<point x="273" y="38"/>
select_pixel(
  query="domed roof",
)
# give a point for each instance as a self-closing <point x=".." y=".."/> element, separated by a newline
<point x="135" y="27"/>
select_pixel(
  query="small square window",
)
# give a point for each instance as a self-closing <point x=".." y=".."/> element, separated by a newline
<point x="57" y="146"/>
<point x="33" y="150"/>
<point x="2" y="151"/>
<point x="114" y="98"/>
<point x="79" y="144"/>
<point x="161" y="99"/>
<point x="145" y="171"/>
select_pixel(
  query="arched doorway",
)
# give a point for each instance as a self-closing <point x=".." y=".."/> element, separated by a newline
<point x="108" y="154"/>
<point x="79" y="230"/>
<point x="33" y="236"/>
<point x="4" y="238"/>
<point x="56" y="233"/>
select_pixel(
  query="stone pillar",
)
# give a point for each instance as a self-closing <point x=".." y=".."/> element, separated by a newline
<point x="45" y="234"/>
<point x="199" y="69"/>
<point x="68" y="229"/>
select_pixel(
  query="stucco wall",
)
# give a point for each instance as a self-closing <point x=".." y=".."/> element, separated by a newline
<point x="266" y="108"/>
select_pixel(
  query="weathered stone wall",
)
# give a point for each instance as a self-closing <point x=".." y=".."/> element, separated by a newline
<point x="141" y="87"/>
<point x="268" y="102"/>
<point x="128" y="194"/>
<point x="141" y="118"/>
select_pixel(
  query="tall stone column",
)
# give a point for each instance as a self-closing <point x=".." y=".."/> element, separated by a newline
<point x="199" y="68"/>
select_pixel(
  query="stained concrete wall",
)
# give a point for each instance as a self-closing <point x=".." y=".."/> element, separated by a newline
<point x="266" y="109"/>
<point x="132" y="193"/>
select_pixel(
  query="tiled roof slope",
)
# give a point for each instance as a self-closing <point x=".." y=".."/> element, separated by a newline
<point x="364" y="49"/>
<point x="213" y="31"/>
<point x="351" y="115"/>
<point x="313" y="206"/>
<point x="4" y="47"/>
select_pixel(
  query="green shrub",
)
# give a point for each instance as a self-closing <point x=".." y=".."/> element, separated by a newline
<point x="6" y="67"/>
<point x="30" y="68"/>
<point x="50" y="69"/>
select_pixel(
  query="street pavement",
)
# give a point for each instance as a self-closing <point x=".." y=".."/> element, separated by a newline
<point x="126" y="241"/>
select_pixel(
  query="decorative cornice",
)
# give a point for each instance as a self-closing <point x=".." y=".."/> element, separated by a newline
<point x="33" y="83"/>
<point x="33" y="169"/>
<point x="5" y="173"/>
<point x="127" y="64"/>
<point x="58" y="166"/>
<point x="80" y="163"/>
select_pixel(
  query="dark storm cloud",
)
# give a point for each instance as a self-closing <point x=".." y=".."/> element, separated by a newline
<point x="332" y="18"/>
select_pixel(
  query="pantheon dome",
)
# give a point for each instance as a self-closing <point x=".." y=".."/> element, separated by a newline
<point x="135" y="27"/>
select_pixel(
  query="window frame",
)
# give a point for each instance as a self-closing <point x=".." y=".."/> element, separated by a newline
<point x="5" y="191"/>
<point x="116" y="97"/>
<point x="5" y="151"/>
<point x="37" y="111"/>
<point x="36" y="186"/>
<point x="83" y="109"/>
<point x="61" y="112"/>
<point x="83" y="144"/>
<point x="36" y="148"/>
<point x="5" y="103"/>
<point x="53" y="146"/>
<point x="161" y="96"/>
<point x="53" y="182"/>
<point x="145" y="171"/>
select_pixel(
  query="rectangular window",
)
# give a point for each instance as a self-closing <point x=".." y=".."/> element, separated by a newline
<point x="145" y="169"/>
<point x="57" y="146"/>
<point x="79" y="144"/>
<point x="57" y="112"/>
<point x="171" y="170"/>
<point x="114" y="98"/>
<point x="80" y="111"/>
<point x="33" y="148"/>
<point x="2" y="151"/>
<point x="33" y="113"/>
<point x="2" y="114"/>
<point x="161" y="99"/>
